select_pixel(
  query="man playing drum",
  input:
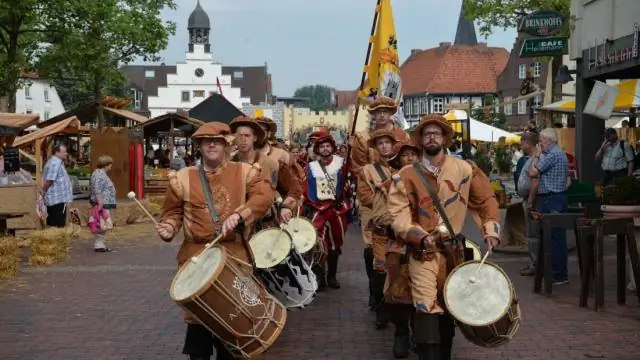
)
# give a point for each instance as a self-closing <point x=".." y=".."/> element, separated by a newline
<point x="373" y="182"/>
<point x="239" y="195"/>
<point x="382" y="111"/>
<point x="458" y="186"/>
<point x="397" y="292"/>
<point x="325" y="205"/>
<point x="247" y="133"/>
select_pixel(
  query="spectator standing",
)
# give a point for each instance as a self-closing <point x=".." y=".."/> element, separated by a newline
<point x="56" y="188"/>
<point x="616" y="157"/>
<point x="551" y="167"/>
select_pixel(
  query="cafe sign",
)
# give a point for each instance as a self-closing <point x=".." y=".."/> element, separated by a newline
<point x="549" y="46"/>
<point x="542" y="23"/>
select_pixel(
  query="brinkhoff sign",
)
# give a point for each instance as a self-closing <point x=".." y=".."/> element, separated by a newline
<point x="542" y="23"/>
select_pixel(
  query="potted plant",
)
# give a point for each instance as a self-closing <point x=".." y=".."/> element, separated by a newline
<point x="621" y="198"/>
<point x="503" y="160"/>
<point x="483" y="161"/>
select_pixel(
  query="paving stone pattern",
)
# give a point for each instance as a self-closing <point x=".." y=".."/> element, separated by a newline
<point x="116" y="306"/>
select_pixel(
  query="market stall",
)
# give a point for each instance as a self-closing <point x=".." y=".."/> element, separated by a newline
<point x="18" y="191"/>
<point x="169" y="127"/>
<point x="479" y="130"/>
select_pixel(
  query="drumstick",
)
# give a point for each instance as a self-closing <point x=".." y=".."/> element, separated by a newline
<point x="473" y="279"/>
<point x="295" y="224"/>
<point x="132" y="195"/>
<point x="194" y="259"/>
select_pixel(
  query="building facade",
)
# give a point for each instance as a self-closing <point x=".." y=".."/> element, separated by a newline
<point x="462" y="72"/>
<point x="158" y="89"/>
<point x="37" y="96"/>
<point x="605" y="44"/>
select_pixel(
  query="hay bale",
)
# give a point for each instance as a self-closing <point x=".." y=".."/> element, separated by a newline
<point x="51" y="245"/>
<point x="9" y="257"/>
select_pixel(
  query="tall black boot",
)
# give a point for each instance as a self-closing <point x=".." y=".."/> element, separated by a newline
<point x="332" y="269"/>
<point x="382" y="315"/>
<point x="447" y="332"/>
<point x="399" y="315"/>
<point x="321" y="277"/>
<point x="427" y="335"/>
<point x="368" y="265"/>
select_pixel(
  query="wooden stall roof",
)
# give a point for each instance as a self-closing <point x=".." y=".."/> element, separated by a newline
<point x="71" y="124"/>
<point x="18" y="121"/>
<point x="162" y="123"/>
<point x="87" y="112"/>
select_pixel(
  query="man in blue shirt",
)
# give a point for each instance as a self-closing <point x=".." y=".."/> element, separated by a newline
<point x="551" y="167"/>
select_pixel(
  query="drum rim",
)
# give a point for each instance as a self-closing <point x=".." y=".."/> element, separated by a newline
<point x="269" y="229"/>
<point x="304" y="219"/>
<point x="512" y="295"/>
<point x="223" y="259"/>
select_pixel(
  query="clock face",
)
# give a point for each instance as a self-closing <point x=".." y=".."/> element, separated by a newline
<point x="199" y="72"/>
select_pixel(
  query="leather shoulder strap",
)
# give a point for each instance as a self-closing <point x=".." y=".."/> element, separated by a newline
<point x="206" y="190"/>
<point x="434" y="197"/>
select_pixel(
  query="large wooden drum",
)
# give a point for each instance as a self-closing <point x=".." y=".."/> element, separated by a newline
<point x="222" y="293"/>
<point x="486" y="309"/>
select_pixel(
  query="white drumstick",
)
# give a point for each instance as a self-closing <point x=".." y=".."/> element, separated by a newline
<point x="295" y="224"/>
<point x="474" y="278"/>
<point x="131" y="195"/>
<point x="194" y="259"/>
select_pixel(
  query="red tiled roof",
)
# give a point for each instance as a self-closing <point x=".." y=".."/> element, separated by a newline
<point x="344" y="98"/>
<point x="453" y="69"/>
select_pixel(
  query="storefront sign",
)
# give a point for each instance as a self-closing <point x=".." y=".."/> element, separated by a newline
<point x="602" y="55"/>
<point x="542" y="23"/>
<point x="543" y="46"/>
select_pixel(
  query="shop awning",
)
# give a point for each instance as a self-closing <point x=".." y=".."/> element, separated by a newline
<point x="628" y="97"/>
<point x="68" y="125"/>
<point x="479" y="130"/>
<point x="126" y="114"/>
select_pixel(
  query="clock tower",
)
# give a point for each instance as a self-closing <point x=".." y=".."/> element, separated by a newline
<point x="199" y="27"/>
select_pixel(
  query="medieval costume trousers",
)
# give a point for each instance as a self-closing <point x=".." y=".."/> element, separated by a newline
<point x="200" y="342"/>
<point x="331" y="225"/>
<point x="379" y="239"/>
<point x="398" y="299"/>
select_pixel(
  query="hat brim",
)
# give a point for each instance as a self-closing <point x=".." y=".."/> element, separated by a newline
<point x="202" y="137"/>
<point x="272" y="126"/>
<point x="447" y="131"/>
<point x="382" y="106"/>
<point x="372" y="141"/>
<point x="394" y="162"/>
<point x="254" y="125"/>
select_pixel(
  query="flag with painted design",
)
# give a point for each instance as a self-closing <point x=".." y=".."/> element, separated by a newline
<point x="383" y="65"/>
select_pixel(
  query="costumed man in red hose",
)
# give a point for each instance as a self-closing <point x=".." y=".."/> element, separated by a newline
<point x="325" y="206"/>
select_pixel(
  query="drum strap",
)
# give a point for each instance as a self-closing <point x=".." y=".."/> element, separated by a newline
<point x="207" y="195"/>
<point x="434" y="198"/>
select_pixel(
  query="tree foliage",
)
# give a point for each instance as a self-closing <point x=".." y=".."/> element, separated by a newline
<point x="505" y="14"/>
<point x="318" y="96"/>
<point x="104" y="35"/>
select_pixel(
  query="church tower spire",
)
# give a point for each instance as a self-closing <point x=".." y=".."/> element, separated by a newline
<point x="199" y="27"/>
<point x="466" y="33"/>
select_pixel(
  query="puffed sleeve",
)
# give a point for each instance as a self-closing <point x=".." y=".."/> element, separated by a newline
<point x="172" y="210"/>
<point x="259" y="195"/>
<point x="400" y="209"/>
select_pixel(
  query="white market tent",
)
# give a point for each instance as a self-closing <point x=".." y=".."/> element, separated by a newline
<point x="479" y="130"/>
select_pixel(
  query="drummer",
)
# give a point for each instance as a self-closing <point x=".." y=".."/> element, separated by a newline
<point x="373" y="182"/>
<point x="247" y="133"/>
<point x="382" y="111"/>
<point x="397" y="291"/>
<point x="240" y="195"/>
<point x="461" y="187"/>
<point x="325" y="204"/>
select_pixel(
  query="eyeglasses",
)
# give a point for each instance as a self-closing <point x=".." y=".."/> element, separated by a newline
<point x="432" y="134"/>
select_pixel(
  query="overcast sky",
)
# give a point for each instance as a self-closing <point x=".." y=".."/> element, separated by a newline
<point x="314" y="42"/>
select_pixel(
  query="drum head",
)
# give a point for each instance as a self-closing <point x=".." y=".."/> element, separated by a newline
<point x="303" y="234"/>
<point x="270" y="247"/>
<point x="477" y="254"/>
<point x="480" y="303"/>
<point x="193" y="275"/>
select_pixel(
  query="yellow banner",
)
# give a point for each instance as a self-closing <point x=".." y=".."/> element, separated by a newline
<point x="383" y="69"/>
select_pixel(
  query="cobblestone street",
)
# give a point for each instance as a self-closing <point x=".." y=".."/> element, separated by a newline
<point x="116" y="306"/>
